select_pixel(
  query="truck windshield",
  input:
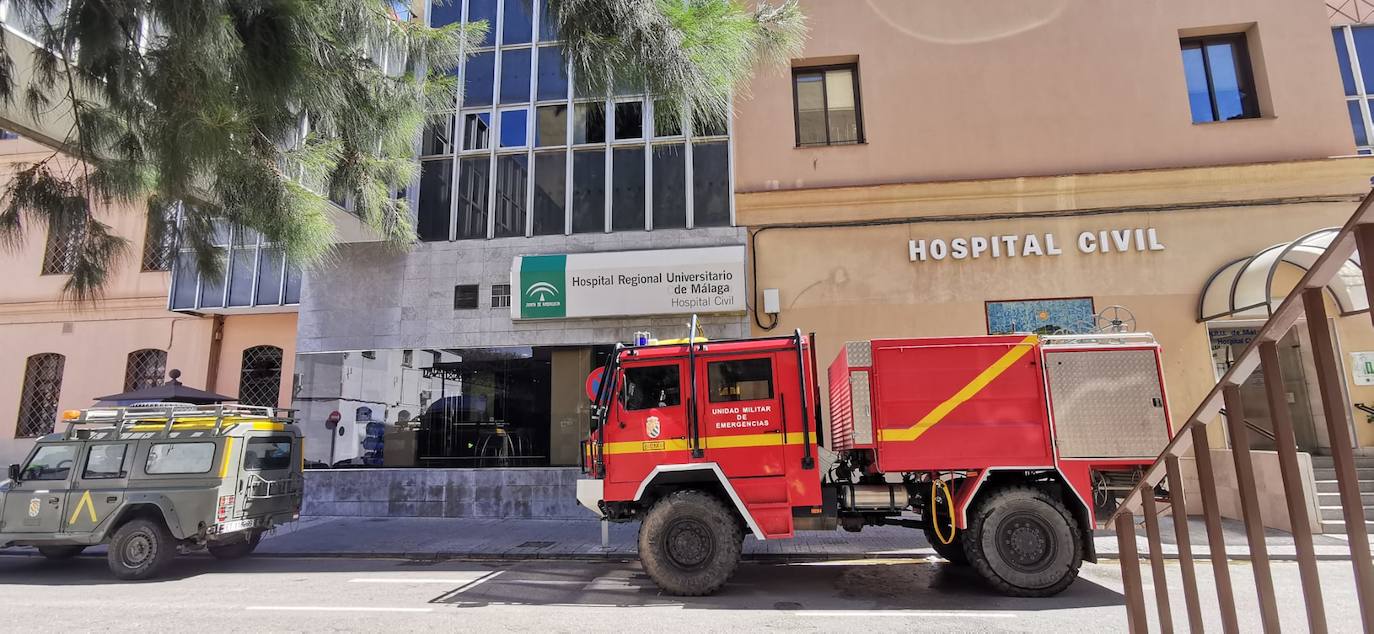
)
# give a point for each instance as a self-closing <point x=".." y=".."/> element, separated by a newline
<point x="50" y="462"/>
<point x="267" y="454"/>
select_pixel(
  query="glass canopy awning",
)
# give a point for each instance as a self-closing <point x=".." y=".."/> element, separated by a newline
<point x="1244" y="288"/>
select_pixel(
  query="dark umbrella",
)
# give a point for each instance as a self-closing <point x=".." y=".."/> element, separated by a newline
<point x="170" y="392"/>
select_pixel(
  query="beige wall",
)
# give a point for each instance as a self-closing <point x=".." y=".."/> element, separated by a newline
<point x="857" y="282"/>
<point x="96" y="340"/>
<point x="1006" y="88"/>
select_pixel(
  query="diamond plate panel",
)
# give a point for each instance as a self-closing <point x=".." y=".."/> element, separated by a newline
<point x="862" y="407"/>
<point x="859" y="353"/>
<point x="1107" y="404"/>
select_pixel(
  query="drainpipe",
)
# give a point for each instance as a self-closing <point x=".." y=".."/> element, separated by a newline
<point x="216" y="342"/>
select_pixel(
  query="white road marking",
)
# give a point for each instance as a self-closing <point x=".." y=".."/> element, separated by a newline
<point x="903" y="613"/>
<point x="478" y="581"/>
<point x="545" y="582"/>
<point x="330" y="608"/>
<point x="452" y="582"/>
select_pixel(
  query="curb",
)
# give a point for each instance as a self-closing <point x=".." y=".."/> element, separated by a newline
<point x="593" y="556"/>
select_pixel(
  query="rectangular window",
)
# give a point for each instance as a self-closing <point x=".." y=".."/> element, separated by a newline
<point x="627" y="189"/>
<point x="552" y="80"/>
<point x="1355" y="57"/>
<point x="105" y="462"/>
<point x="550" y="184"/>
<point x="515" y="75"/>
<point x="479" y="78"/>
<point x="711" y="184"/>
<point x="50" y="462"/>
<point x="465" y="297"/>
<point x="512" y="178"/>
<point x="270" y="274"/>
<point x="472" y="197"/>
<point x="500" y="295"/>
<point x="589" y="123"/>
<point x="589" y="191"/>
<point x="1221" y="86"/>
<point x="184" y="278"/>
<point x="241" y="263"/>
<point x="629" y="120"/>
<point x="551" y="125"/>
<point x="438" y="136"/>
<point x="744" y="380"/>
<point x="180" y="457"/>
<point x="670" y="187"/>
<point x="63" y="245"/>
<point x="827" y="105"/>
<point x="651" y="386"/>
<point x="518" y="22"/>
<point x="476" y="130"/>
<point x="160" y="238"/>
<point x="483" y="11"/>
<point x="268" y="454"/>
<point x="436" y="188"/>
<point x="514" y="128"/>
<point x="667" y="119"/>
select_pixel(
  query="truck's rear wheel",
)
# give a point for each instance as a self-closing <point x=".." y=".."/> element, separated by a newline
<point x="60" y="552"/>
<point x="689" y="543"/>
<point x="235" y="550"/>
<point x="953" y="552"/>
<point x="140" y="549"/>
<point x="1024" y="542"/>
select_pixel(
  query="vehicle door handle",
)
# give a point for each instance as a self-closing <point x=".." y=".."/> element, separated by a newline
<point x="111" y="499"/>
<point x="54" y="501"/>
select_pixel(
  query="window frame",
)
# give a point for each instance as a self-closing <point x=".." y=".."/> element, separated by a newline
<point x="27" y="398"/>
<point x="853" y="68"/>
<point x="500" y="300"/>
<point x="1245" y="72"/>
<point x="123" y="462"/>
<point x="674" y="366"/>
<point x="28" y="464"/>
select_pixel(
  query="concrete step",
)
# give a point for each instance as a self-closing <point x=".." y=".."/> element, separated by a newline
<point x="1331" y="486"/>
<point x="1338" y="527"/>
<point x="1326" y="462"/>
<point x="1334" y="498"/>
<point x="1334" y="513"/>
<point x="1326" y="473"/>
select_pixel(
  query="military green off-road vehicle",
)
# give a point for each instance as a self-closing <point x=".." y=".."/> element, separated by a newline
<point x="154" y="480"/>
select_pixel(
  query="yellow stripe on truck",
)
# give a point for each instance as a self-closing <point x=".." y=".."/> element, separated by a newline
<point x="713" y="442"/>
<point x="969" y="391"/>
<point x="228" y="450"/>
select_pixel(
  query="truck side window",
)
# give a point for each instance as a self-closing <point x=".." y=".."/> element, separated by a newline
<point x="180" y="457"/>
<point x="105" y="461"/>
<point x="743" y="380"/>
<point x="51" y="462"/>
<point x="267" y="454"/>
<point x="651" y="386"/>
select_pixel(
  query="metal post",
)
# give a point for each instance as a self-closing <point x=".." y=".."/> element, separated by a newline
<point x="1130" y="573"/>
<point x="1249" y="507"/>
<point x="605" y="535"/>
<point x="1216" y="544"/>
<point x="1364" y="242"/>
<point x="1293" y="486"/>
<point x="1178" y="507"/>
<point x="1337" y="411"/>
<point x="1161" y="582"/>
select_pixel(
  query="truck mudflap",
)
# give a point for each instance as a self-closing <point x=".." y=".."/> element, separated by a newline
<point x="696" y="472"/>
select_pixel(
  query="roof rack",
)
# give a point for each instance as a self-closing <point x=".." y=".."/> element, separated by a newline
<point x="1099" y="339"/>
<point x="170" y="414"/>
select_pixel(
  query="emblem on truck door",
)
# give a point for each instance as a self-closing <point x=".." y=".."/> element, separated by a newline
<point x="651" y="427"/>
<point x="33" y="507"/>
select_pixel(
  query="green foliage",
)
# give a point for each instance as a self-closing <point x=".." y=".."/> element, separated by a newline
<point x="201" y="104"/>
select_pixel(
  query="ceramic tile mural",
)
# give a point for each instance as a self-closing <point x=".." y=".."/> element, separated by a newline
<point x="1043" y="316"/>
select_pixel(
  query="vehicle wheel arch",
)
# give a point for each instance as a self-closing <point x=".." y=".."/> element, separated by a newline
<point x="1049" y="479"/>
<point x="151" y="509"/>
<point x="705" y="476"/>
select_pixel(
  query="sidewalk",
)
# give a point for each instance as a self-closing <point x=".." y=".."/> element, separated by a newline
<point x="469" y="538"/>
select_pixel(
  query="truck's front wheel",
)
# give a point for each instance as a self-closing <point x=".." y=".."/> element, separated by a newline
<point x="140" y="549"/>
<point x="690" y="543"/>
<point x="1024" y="542"/>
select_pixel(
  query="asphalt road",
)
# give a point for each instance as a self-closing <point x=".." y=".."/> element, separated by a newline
<point x="286" y="594"/>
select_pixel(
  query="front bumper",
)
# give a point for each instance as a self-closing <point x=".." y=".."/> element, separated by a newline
<point x="590" y="493"/>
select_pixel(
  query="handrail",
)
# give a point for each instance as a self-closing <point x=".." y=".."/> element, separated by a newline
<point x="1252" y="427"/>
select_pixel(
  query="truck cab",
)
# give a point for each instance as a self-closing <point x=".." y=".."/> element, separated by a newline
<point x="151" y="481"/>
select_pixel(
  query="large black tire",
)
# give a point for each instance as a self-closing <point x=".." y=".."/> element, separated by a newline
<point x="1024" y="542"/>
<point x="235" y="550"/>
<point x="140" y="549"/>
<point x="60" y="552"/>
<point x="690" y="543"/>
<point x="953" y="552"/>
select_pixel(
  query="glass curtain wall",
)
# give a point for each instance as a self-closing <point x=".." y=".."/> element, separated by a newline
<point x="523" y="153"/>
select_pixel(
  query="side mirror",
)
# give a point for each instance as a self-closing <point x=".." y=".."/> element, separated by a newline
<point x="14" y="472"/>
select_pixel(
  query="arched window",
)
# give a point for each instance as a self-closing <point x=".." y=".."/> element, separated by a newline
<point x="260" y="376"/>
<point x="146" y="368"/>
<point x="38" y="404"/>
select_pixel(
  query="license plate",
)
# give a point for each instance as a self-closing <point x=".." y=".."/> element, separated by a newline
<point x="236" y="525"/>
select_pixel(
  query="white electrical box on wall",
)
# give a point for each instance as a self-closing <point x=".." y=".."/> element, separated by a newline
<point x="771" y="304"/>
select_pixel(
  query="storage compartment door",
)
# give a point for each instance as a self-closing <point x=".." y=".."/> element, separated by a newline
<point x="1107" y="403"/>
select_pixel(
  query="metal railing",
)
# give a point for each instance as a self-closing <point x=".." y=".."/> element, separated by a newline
<point x="1305" y="301"/>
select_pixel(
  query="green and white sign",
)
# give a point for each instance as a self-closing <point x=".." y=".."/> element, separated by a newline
<point x="628" y="283"/>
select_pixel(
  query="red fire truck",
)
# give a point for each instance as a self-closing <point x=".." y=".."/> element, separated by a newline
<point x="995" y="446"/>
